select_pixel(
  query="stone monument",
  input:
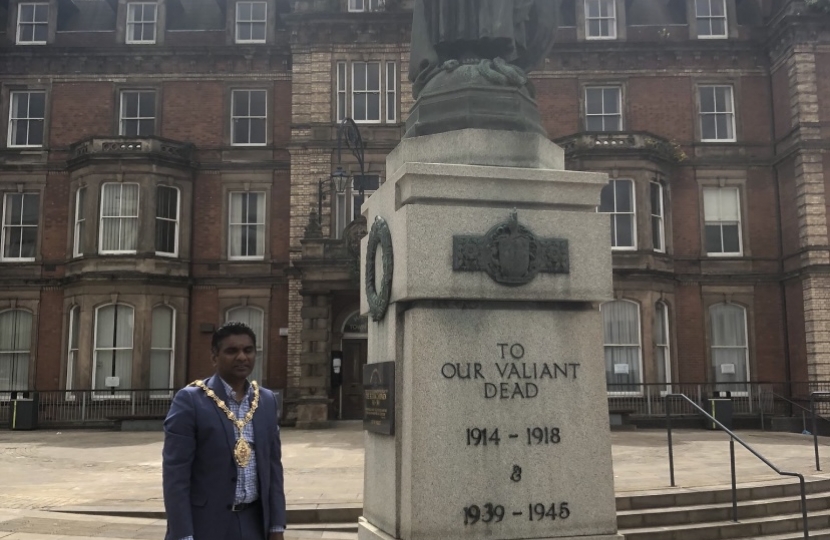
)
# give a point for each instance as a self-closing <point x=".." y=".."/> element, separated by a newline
<point x="483" y="270"/>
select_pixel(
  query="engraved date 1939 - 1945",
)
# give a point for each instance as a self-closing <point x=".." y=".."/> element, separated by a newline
<point x="495" y="513"/>
<point x="535" y="436"/>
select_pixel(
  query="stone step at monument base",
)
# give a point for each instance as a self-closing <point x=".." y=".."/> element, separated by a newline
<point x="768" y="512"/>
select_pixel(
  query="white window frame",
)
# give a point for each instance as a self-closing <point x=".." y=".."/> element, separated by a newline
<point x="120" y="217"/>
<point x="106" y="393"/>
<point x="612" y="18"/>
<point x="260" y="225"/>
<point x="175" y="222"/>
<point x="80" y="222"/>
<point x="28" y="119"/>
<point x="250" y="117"/>
<point x="123" y="119"/>
<point x="132" y="23"/>
<point x="658" y="217"/>
<point x="171" y="351"/>
<point x="633" y="213"/>
<point x="259" y="367"/>
<point x="342" y="91"/>
<point x="745" y="347"/>
<point x="638" y="346"/>
<point x="391" y="92"/>
<point x="661" y="306"/>
<point x="709" y="18"/>
<point x="368" y="93"/>
<point x="603" y="115"/>
<point x="5" y="226"/>
<point x="722" y="222"/>
<point x="729" y="113"/>
<point x="33" y="22"/>
<point x="72" y="348"/>
<point x="364" y="6"/>
<point x="251" y="22"/>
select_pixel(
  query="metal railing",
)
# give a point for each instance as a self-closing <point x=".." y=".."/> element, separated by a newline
<point x="649" y="400"/>
<point x="733" y="438"/>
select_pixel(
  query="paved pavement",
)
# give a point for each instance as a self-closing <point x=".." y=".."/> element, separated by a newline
<point x="50" y="470"/>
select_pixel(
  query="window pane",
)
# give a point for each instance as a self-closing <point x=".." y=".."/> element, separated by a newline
<point x="625" y="230"/>
<point x="240" y="103"/>
<point x="718" y="27"/>
<point x="657" y="233"/>
<point x="37" y="105"/>
<point x="624" y="196"/>
<point x="373" y="112"/>
<point x="243" y="31"/>
<point x="27" y="13"/>
<point x="656" y="203"/>
<point x="593" y="8"/>
<point x="240" y="131"/>
<point x="713" y="239"/>
<point x="258" y="103"/>
<point x="612" y="123"/>
<point x="593" y="100"/>
<point x="606" y="198"/>
<point x="707" y="99"/>
<point x="147" y="104"/>
<point x="612" y="100"/>
<point x="708" y="127"/>
<point x="31" y="206"/>
<point x="595" y="123"/>
<point x="258" y="131"/>
<point x="162" y="332"/>
<point x="258" y="11"/>
<point x="702" y="8"/>
<point x="728" y="325"/>
<point x="360" y="107"/>
<point x="731" y="239"/>
<point x="359" y="76"/>
<point x="129" y="104"/>
<point x="258" y="31"/>
<point x="373" y="75"/>
<point x="594" y="29"/>
<point x="243" y="11"/>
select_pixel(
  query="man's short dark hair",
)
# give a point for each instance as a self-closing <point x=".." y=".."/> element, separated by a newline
<point x="230" y="328"/>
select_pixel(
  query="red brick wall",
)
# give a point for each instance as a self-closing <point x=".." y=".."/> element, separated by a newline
<point x="752" y="105"/>
<point x="760" y="218"/>
<point x="280" y="215"/>
<point x="49" y="340"/>
<point x="769" y="334"/>
<point x="207" y="217"/>
<point x="685" y="213"/>
<point x="194" y="112"/>
<point x="278" y="345"/>
<point x="559" y="105"/>
<point x="661" y="105"/>
<point x="80" y="110"/>
<point x="690" y="331"/>
<point x="55" y="218"/>
<point x="781" y="104"/>
<point x="204" y="310"/>
<point x="282" y="113"/>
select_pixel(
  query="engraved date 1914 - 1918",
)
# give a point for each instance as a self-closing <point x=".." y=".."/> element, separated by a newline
<point x="495" y="513"/>
<point x="535" y="436"/>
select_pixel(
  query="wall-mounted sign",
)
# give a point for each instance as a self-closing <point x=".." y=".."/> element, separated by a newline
<point x="379" y="398"/>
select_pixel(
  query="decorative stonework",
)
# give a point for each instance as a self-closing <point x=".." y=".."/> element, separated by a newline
<point x="510" y="254"/>
<point x="378" y="299"/>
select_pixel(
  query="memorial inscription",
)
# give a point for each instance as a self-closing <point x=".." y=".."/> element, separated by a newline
<point x="379" y="398"/>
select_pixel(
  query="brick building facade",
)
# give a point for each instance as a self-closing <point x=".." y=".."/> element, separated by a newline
<point x="163" y="162"/>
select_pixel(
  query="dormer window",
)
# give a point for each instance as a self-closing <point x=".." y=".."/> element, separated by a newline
<point x="250" y="22"/>
<point x="711" y="19"/>
<point x="141" y="22"/>
<point x="365" y="5"/>
<point x="32" y="23"/>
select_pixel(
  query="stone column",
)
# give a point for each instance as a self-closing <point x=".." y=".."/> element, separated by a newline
<point x="499" y="261"/>
<point x="313" y="407"/>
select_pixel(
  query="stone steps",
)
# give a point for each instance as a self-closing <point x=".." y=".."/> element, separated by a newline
<point x="768" y="512"/>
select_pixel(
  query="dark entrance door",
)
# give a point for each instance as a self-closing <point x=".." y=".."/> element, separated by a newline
<point x="354" y="358"/>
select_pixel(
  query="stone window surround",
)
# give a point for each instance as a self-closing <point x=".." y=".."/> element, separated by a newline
<point x="121" y="22"/>
<point x="581" y="25"/>
<point x="642" y="177"/>
<point x="229" y="87"/>
<point x="28" y="186"/>
<point x="383" y="58"/>
<point x="735" y="179"/>
<point x="30" y="302"/>
<point x="13" y="13"/>
<point x="743" y="296"/>
<point x="5" y="96"/>
<point x="622" y="84"/>
<point x="255" y="298"/>
<point x="246" y="182"/>
<point x="735" y="83"/>
<point x="93" y="181"/>
<point x="143" y="302"/>
<point x="646" y="300"/>
<point x="137" y="86"/>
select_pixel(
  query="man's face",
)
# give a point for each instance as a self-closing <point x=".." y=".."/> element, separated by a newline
<point x="235" y="358"/>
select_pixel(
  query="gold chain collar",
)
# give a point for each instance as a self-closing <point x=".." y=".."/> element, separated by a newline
<point x="242" y="450"/>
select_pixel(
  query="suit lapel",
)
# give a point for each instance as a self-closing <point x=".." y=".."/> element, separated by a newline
<point x="215" y="384"/>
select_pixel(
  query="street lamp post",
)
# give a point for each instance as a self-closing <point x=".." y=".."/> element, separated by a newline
<point x="348" y="133"/>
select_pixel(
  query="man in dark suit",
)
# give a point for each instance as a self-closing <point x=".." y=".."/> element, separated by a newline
<point x="222" y="470"/>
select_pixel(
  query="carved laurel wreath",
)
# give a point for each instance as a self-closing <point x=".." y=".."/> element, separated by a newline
<point x="379" y="236"/>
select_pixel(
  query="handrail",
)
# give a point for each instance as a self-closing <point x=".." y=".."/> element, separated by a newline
<point x="732" y="440"/>
<point x="815" y="430"/>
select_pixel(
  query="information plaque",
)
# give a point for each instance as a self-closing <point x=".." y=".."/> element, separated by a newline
<point x="379" y="398"/>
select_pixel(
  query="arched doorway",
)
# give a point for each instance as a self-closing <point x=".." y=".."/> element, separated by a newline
<point x="355" y="354"/>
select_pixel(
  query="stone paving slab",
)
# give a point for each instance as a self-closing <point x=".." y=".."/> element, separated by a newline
<point x="76" y="470"/>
